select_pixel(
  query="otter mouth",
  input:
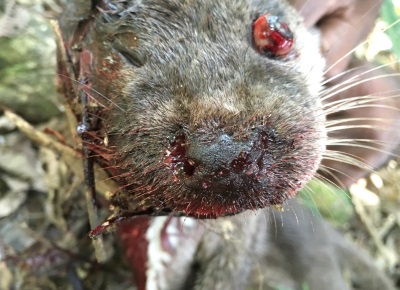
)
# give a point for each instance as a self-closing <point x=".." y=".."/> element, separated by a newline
<point x="230" y="175"/>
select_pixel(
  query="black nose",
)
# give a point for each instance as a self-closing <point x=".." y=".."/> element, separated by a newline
<point x="218" y="165"/>
<point x="226" y="164"/>
<point x="230" y="165"/>
<point x="219" y="174"/>
<point x="212" y="158"/>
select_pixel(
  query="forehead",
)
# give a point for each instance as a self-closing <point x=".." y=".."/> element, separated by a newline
<point x="180" y="37"/>
<point x="168" y="18"/>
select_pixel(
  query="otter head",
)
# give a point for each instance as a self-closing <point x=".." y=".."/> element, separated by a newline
<point x="218" y="108"/>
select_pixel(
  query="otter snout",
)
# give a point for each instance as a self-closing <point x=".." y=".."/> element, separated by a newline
<point x="234" y="170"/>
<point x="218" y="164"/>
<point x="230" y="164"/>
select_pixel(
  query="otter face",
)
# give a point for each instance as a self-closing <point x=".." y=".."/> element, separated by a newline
<point x="211" y="121"/>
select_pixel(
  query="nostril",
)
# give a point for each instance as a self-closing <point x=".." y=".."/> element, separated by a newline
<point x="189" y="167"/>
<point x="260" y="163"/>
<point x="175" y="158"/>
<point x="224" y="164"/>
<point x="217" y="159"/>
<point x="197" y="158"/>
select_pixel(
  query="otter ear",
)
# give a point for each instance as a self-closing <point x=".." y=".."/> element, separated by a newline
<point x="272" y="37"/>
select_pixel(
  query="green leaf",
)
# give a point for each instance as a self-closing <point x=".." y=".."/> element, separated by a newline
<point x="390" y="17"/>
<point x="327" y="200"/>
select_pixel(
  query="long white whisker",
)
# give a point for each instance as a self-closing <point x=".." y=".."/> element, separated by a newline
<point x="329" y="172"/>
<point x="353" y="143"/>
<point x="359" y="102"/>
<point x="325" y="97"/>
<point x="353" y="78"/>
<point x="333" y="172"/>
<point x="361" y="105"/>
<point x="354" y="49"/>
<point x="361" y="126"/>
<point x="347" y="158"/>
<point x="326" y="81"/>
<point x="336" y="122"/>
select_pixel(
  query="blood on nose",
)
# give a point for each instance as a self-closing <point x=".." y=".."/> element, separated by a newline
<point x="225" y="164"/>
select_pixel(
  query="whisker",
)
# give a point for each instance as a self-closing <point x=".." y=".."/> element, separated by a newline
<point x="332" y="172"/>
<point x="310" y="194"/>
<point x="319" y="201"/>
<point x="359" y="102"/>
<point x="337" y="122"/>
<point x="97" y="92"/>
<point x="356" y="76"/>
<point x="336" y="127"/>
<point x="348" y="71"/>
<point x="347" y="158"/>
<point x="326" y="181"/>
<point x="354" y="49"/>
<point x="327" y="96"/>
<point x="357" y="106"/>
<point x="349" y="100"/>
<point x="352" y="143"/>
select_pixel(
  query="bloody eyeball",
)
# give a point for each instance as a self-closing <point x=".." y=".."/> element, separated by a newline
<point x="272" y="37"/>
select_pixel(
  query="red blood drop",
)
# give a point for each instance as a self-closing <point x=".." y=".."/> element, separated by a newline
<point x="271" y="36"/>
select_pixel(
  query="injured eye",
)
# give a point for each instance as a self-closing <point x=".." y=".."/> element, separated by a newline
<point x="272" y="37"/>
